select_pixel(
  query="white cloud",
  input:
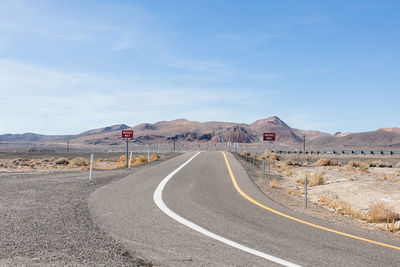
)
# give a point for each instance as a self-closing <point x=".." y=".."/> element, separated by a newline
<point x="36" y="99"/>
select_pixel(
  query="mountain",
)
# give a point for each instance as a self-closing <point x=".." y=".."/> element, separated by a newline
<point x="114" y="128"/>
<point x="192" y="131"/>
<point x="275" y="125"/>
<point x="392" y="130"/>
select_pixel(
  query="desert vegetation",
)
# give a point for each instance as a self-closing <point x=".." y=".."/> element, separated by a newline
<point x="77" y="163"/>
<point x="366" y="190"/>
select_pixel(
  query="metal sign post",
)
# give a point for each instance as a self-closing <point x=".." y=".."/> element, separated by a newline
<point x="269" y="137"/>
<point x="269" y="158"/>
<point x="127" y="134"/>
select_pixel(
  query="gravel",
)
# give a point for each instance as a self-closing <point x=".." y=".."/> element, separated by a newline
<point x="45" y="220"/>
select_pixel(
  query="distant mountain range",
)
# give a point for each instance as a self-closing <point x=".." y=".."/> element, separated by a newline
<point x="191" y="131"/>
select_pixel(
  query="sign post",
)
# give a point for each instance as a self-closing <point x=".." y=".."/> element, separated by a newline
<point x="269" y="137"/>
<point x="127" y="134"/>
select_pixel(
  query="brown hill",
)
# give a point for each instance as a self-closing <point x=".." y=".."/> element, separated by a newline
<point x="193" y="131"/>
<point x="275" y="125"/>
<point x="392" y="130"/>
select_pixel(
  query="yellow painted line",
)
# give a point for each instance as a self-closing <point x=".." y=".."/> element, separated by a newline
<point x="296" y="219"/>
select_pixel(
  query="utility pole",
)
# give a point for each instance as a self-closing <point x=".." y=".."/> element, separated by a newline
<point x="304" y="142"/>
<point x="68" y="144"/>
<point x="174" y="144"/>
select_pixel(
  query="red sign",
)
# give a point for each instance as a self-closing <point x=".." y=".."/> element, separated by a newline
<point x="269" y="136"/>
<point x="127" y="134"/>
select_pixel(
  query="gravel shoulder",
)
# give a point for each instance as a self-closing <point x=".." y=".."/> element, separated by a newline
<point x="45" y="220"/>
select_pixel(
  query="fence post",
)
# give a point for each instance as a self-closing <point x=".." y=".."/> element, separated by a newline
<point x="130" y="159"/>
<point x="91" y="168"/>
<point x="305" y="191"/>
<point x="263" y="168"/>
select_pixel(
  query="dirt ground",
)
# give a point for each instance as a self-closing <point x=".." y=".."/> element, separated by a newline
<point x="45" y="220"/>
<point x="359" y="188"/>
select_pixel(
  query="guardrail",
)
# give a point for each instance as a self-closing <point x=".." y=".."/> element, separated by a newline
<point x="338" y="152"/>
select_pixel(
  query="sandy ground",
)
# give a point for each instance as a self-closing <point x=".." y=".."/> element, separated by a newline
<point x="45" y="220"/>
<point x="360" y="189"/>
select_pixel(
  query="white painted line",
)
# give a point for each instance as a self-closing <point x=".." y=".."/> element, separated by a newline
<point x="160" y="203"/>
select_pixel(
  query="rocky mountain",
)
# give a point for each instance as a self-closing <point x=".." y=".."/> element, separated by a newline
<point x="193" y="131"/>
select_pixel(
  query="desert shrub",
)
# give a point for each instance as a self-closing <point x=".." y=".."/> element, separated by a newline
<point x="397" y="165"/>
<point x="265" y="156"/>
<point x="364" y="166"/>
<point x="78" y="162"/>
<point x="154" y="157"/>
<point x="289" y="191"/>
<point x="244" y="154"/>
<point x="294" y="164"/>
<point x="341" y="207"/>
<point x="122" y="159"/>
<point x="353" y="164"/>
<point x="62" y="161"/>
<point x="139" y="160"/>
<point x="316" y="178"/>
<point x="381" y="164"/>
<point x="275" y="157"/>
<point x="380" y="212"/>
<point x="324" y="200"/>
<point x="325" y="162"/>
<point x="273" y="183"/>
<point x="284" y="169"/>
<point x="313" y="179"/>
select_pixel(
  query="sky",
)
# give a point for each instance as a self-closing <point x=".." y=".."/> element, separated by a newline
<point x="70" y="66"/>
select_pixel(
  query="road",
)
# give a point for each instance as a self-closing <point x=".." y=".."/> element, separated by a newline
<point x="175" y="214"/>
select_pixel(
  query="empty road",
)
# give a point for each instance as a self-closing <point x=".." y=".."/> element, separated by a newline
<point x="203" y="209"/>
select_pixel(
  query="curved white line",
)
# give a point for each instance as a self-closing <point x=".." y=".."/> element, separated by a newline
<point x="160" y="203"/>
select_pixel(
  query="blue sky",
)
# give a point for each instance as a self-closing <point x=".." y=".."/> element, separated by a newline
<point x="70" y="66"/>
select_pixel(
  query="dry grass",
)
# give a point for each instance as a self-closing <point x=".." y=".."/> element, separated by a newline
<point x="324" y="200"/>
<point x="391" y="226"/>
<point x="273" y="183"/>
<point x="154" y="157"/>
<point x="325" y="162"/>
<point x="78" y="162"/>
<point x="381" y="164"/>
<point x="122" y="159"/>
<point x="341" y="207"/>
<point x="313" y="179"/>
<point x="294" y="164"/>
<point x="289" y="191"/>
<point x="139" y="160"/>
<point x="377" y="213"/>
<point x="62" y="161"/>
<point x="380" y="212"/>
<point x="350" y="179"/>
<point x="284" y="169"/>
<point x="361" y="166"/>
<point x="244" y="154"/>
<point x="265" y="156"/>
<point x="364" y="167"/>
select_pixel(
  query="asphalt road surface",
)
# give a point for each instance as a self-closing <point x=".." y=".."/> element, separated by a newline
<point x="176" y="214"/>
